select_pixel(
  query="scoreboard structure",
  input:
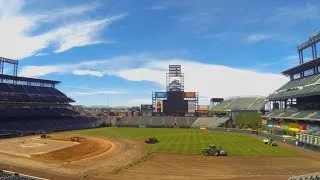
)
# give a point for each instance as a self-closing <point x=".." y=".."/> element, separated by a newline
<point x="175" y="101"/>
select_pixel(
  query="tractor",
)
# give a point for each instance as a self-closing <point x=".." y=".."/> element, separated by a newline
<point x="270" y="142"/>
<point x="43" y="136"/>
<point x="75" y="139"/>
<point x="214" y="151"/>
<point x="151" y="140"/>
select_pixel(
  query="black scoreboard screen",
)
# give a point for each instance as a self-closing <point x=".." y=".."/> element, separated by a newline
<point x="175" y="102"/>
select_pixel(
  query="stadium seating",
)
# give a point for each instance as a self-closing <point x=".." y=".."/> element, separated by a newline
<point x="303" y="114"/>
<point x="133" y="121"/>
<point x="157" y="121"/>
<point x="294" y="114"/>
<point x="24" y="93"/>
<point x="191" y="120"/>
<point x="210" y="122"/>
<point x="19" y="121"/>
<point x="241" y="103"/>
<point x="168" y="122"/>
<point x="182" y="121"/>
<point x="258" y="104"/>
<point x="8" y="175"/>
<point x="288" y="113"/>
<point x="23" y="113"/>
<point x="300" y="82"/>
<point x="304" y="86"/>
<point x="316" y="115"/>
<point x="145" y="121"/>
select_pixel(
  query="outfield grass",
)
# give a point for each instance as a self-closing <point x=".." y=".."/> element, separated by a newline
<point x="191" y="141"/>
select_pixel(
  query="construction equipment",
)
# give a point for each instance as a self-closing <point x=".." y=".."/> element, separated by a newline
<point x="43" y="136"/>
<point x="75" y="139"/>
<point x="213" y="151"/>
<point x="270" y="142"/>
<point x="151" y="140"/>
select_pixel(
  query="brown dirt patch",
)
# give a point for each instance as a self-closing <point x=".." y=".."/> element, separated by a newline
<point x="87" y="148"/>
<point x="169" y="166"/>
<point x="122" y="155"/>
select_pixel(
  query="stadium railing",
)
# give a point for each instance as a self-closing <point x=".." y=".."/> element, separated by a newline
<point x="4" y="174"/>
<point x="313" y="176"/>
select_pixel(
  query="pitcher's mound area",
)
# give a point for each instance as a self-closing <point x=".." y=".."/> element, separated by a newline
<point x="56" y="148"/>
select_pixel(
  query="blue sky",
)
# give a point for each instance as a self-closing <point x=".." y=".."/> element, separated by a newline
<point x="116" y="52"/>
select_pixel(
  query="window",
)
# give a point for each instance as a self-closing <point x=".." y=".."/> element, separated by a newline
<point x="309" y="72"/>
<point x="296" y="76"/>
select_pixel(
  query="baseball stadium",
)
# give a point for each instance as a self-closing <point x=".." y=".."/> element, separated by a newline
<point x="42" y="136"/>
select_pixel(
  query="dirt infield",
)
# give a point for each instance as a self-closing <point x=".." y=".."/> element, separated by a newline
<point x="26" y="147"/>
<point x="125" y="159"/>
<point x="196" y="167"/>
<point x="84" y="149"/>
<point x="166" y="166"/>
<point x="92" y="157"/>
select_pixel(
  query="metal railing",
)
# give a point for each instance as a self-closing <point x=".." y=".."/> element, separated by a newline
<point x="313" y="176"/>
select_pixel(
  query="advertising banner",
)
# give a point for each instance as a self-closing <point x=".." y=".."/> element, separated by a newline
<point x="203" y="108"/>
<point x="189" y="94"/>
<point x="277" y="124"/>
<point x="284" y="126"/>
<point x="191" y="106"/>
<point x="294" y="127"/>
<point x="146" y="107"/>
<point x="189" y="114"/>
<point x="264" y="122"/>
<point x="160" y="94"/>
<point x="303" y="127"/>
<point x="159" y="106"/>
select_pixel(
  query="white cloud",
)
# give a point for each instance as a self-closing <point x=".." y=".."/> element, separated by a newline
<point x="19" y="42"/>
<point x="213" y="80"/>
<point x="41" y="54"/>
<point x="208" y="79"/>
<point x="87" y="72"/>
<point x="138" y="102"/>
<point x="285" y="16"/>
<point x="253" y="38"/>
<point x="37" y="71"/>
<point x="89" y="67"/>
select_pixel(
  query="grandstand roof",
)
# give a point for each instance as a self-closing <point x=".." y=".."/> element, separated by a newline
<point x="302" y="67"/>
<point x="34" y="80"/>
<point x="307" y="86"/>
<point x="241" y="103"/>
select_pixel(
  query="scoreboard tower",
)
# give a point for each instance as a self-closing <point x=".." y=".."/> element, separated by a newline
<point x="175" y="101"/>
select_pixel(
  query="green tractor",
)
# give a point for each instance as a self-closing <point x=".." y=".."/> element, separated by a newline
<point x="213" y="151"/>
<point x="151" y="140"/>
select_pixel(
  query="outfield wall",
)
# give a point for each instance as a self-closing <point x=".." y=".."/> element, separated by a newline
<point x="171" y="122"/>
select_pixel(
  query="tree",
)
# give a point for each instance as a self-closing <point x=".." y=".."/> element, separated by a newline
<point x="248" y="120"/>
